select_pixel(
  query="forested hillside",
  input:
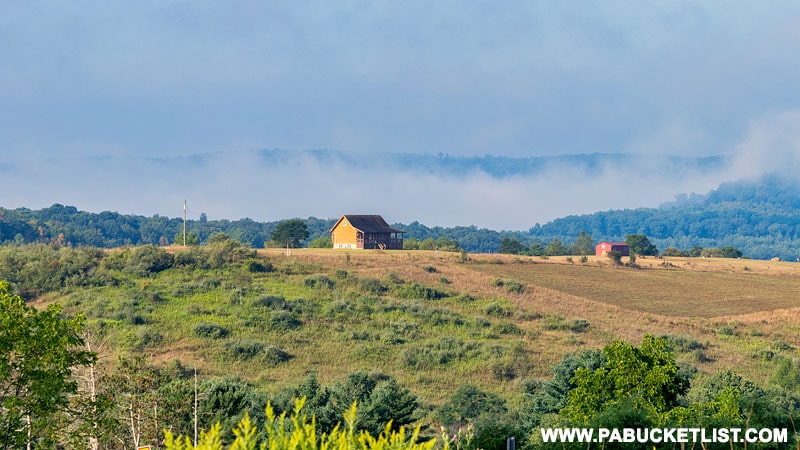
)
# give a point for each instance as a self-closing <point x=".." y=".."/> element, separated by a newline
<point x="758" y="217"/>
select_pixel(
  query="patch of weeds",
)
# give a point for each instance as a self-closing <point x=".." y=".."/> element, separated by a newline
<point x="481" y="322"/>
<point x="444" y="280"/>
<point x="275" y="355"/>
<point x="392" y="338"/>
<point x="340" y="274"/>
<point x="464" y="298"/>
<point x="359" y="336"/>
<point x="506" y="328"/>
<point x="584" y="259"/>
<point x="683" y="343"/>
<point x="578" y="325"/>
<point x="372" y="286"/>
<point x="210" y="330"/>
<point x="244" y="349"/>
<point x="149" y="337"/>
<point x="430" y="269"/>
<point x="495" y="309"/>
<point x="418" y="291"/>
<point x="764" y="355"/>
<point x="319" y="281"/>
<point x="727" y="329"/>
<point x="554" y="322"/>
<point x="509" y="285"/>
<point x="255" y="266"/>
<point x="503" y="370"/>
<point x="197" y="310"/>
<point x="439" y="353"/>
<point x="529" y="315"/>
<point x="392" y="278"/>
<point x="781" y="345"/>
<point x="700" y="356"/>
<point x="569" y="260"/>
<point x="297" y="268"/>
<point x="271" y="302"/>
<point x="282" y="320"/>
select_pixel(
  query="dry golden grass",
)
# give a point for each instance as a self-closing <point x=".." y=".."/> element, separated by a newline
<point x="737" y="308"/>
<point x="756" y="301"/>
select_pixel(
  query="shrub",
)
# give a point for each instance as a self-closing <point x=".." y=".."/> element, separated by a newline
<point x="282" y="320"/>
<point x="210" y="330"/>
<point x="497" y="310"/>
<point x="319" y="281"/>
<point x="244" y="349"/>
<point x="340" y="274"/>
<point x="683" y="343"/>
<point x="275" y="355"/>
<point x="271" y="302"/>
<point x="418" y="291"/>
<point x="503" y="370"/>
<point x="578" y="325"/>
<point x="255" y="266"/>
<point x="780" y="344"/>
<point x="429" y="269"/>
<point x="148" y="259"/>
<point x="372" y="286"/>
<point x="509" y="285"/>
<point x="506" y="328"/>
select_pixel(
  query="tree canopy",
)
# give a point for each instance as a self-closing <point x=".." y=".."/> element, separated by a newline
<point x="290" y="233"/>
<point x="38" y="350"/>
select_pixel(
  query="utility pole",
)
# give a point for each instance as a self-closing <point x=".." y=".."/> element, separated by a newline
<point x="184" y="223"/>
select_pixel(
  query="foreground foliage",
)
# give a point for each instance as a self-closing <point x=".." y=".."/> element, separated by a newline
<point x="300" y="432"/>
<point x="37" y="353"/>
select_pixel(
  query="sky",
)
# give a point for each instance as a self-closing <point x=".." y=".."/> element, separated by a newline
<point x="124" y="82"/>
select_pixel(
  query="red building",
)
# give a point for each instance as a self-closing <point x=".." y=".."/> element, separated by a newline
<point x="603" y="248"/>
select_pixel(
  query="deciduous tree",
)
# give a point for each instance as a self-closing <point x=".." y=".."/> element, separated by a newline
<point x="290" y="233"/>
<point x="38" y="350"/>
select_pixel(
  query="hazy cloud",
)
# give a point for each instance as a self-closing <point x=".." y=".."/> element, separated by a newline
<point x="133" y="81"/>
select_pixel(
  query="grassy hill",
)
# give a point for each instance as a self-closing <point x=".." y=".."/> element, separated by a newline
<point x="435" y="320"/>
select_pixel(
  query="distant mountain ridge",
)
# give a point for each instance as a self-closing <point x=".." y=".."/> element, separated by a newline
<point x="443" y="163"/>
<point x="503" y="166"/>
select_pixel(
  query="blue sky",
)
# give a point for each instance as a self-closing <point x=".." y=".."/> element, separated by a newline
<point x="166" y="78"/>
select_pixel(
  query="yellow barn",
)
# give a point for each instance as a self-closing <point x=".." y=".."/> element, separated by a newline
<point x="362" y="231"/>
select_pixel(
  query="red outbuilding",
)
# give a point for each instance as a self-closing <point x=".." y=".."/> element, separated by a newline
<point x="603" y="248"/>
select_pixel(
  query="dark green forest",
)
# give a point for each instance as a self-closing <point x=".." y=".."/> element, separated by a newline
<point x="759" y="217"/>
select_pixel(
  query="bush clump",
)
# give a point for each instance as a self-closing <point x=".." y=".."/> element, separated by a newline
<point x="282" y="320"/>
<point x="210" y="330"/>
<point x="578" y="325"/>
<point x="418" y="291"/>
<point x="244" y="349"/>
<point x="497" y="310"/>
<point x="271" y="302"/>
<point x="319" y="281"/>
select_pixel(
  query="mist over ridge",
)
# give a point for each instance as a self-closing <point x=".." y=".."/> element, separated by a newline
<point x="504" y="193"/>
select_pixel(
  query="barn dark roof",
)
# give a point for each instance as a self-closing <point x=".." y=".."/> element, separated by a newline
<point x="369" y="224"/>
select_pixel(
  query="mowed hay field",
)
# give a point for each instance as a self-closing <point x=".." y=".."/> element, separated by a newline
<point x="676" y="288"/>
